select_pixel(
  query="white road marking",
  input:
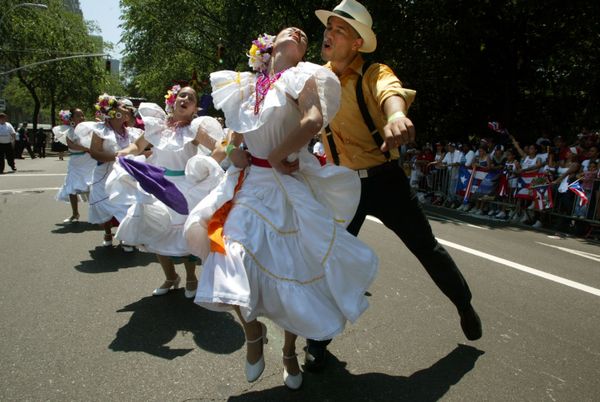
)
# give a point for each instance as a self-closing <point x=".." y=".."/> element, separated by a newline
<point x="524" y="268"/>
<point x="33" y="175"/>
<point x="584" y="254"/>
<point x="474" y="226"/>
<point x="515" y="265"/>
<point x="372" y="218"/>
<point x="27" y="190"/>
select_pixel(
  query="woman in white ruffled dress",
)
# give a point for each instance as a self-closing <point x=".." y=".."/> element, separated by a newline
<point x="182" y="144"/>
<point x="282" y="252"/>
<point x="108" y="137"/>
<point x="81" y="165"/>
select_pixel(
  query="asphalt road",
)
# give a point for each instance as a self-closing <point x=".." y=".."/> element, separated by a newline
<point x="78" y="321"/>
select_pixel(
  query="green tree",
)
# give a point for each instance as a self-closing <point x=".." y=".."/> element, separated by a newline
<point x="527" y="64"/>
<point x="165" y="44"/>
<point x="37" y="36"/>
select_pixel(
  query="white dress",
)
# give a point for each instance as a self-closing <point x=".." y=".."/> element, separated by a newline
<point x="81" y="165"/>
<point x="102" y="209"/>
<point x="149" y="223"/>
<point x="288" y="256"/>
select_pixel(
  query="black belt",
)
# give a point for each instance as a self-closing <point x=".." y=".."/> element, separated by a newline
<point x="376" y="170"/>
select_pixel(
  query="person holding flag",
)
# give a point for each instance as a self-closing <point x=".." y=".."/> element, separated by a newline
<point x="587" y="184"/>
<point x="567" y="172"/>
<point x="576" y="188"/>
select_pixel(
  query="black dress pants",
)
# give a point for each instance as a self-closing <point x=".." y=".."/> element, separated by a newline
<point x="6" y="152"/>
<point x="387" y="195"/>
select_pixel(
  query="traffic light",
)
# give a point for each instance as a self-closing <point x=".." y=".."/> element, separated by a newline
<point x="107" y="65"/>
<point x="220" y="53"/>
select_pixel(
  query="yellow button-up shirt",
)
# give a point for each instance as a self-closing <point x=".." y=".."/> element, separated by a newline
<point x="354" y="143"/>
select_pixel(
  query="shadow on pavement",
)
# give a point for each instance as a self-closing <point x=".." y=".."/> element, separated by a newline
<point x="78" y="227"/>
<point x="338" y="384"/>
<point x="157" y="320"/>
<point x="111" y="259"/>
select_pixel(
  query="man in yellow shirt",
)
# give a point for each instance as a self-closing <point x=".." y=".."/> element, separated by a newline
<point x="371" y="148"/>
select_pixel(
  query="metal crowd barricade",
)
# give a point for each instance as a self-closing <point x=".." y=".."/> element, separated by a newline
<point x="433" y="183"/>
<point x="439" y="186"/>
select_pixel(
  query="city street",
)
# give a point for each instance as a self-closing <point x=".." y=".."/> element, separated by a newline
<point x="79" y="322"/>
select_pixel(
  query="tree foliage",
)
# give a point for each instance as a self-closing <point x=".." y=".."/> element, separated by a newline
<point x="531" y="65"/>
<point x="33" y="35"/>
<point x="166" y="44"/>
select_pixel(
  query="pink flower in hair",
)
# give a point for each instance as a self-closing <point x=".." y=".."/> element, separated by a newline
<point x="65" y="116"/>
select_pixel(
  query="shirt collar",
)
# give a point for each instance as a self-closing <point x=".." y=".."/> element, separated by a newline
<point x="354" y="67"/>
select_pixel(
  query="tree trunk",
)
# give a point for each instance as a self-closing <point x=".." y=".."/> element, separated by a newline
<point x="36" y="99"/>
<point x="53" y="106"/>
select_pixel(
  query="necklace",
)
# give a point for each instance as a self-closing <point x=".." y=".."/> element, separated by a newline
<point x="264" y="82"/>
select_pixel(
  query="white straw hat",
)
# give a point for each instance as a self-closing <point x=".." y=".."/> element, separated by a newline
<point x="358" y="17"/>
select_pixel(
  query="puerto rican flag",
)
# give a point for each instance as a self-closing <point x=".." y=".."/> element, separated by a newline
<point x="503" y="184"/>
<point x="494" y="126"/>
<point x="524" y="180"/>
<point x="579" y="192"/>
<point x="479" y="181"/>
<point x="543" y="196"/>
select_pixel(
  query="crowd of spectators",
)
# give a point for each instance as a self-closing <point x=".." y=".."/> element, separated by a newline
<point x="560" y="163"/>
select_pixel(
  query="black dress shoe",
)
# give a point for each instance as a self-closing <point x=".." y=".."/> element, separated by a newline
<point x="315" y="358"/>
<point x="470" y="323"/>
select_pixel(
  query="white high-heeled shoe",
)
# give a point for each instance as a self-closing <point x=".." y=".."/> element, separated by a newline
<point x="127" y="248"/>
<point x="72" y="219"/>
<point x="190" y="294"/>
<point x="291" y="381"/>
<point x="169" y="283"/>
<point x="253" y="371"/>
<point x="107" y="242"/>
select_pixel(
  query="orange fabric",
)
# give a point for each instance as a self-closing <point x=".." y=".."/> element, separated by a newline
<point x="217" y="221"/>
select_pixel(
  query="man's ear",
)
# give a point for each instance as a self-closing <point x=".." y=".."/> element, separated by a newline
<point x="358" y="42"/>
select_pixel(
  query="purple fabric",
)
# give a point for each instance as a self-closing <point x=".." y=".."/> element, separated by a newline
<point x="152" y="180"/>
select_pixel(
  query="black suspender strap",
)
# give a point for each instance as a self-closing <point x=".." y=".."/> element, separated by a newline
<point x="364" y="111"/>
<point x="362" y="105"/>
<point x="332" y="148"/>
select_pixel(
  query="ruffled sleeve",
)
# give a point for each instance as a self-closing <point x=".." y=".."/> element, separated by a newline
<point x="61" y="133"/>
<point x="134" y="133"/>
<point x="208" y="124"/>
<point x="328" y="86"/>
<point x="103" y="131"/>
<point x="154" y="118"/>
<point x="233" y="93"/>
<point x="84" y="130"/>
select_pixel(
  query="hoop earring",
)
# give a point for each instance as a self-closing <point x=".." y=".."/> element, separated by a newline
<point x="118" y="115"/>
<point x="72" y="124"/>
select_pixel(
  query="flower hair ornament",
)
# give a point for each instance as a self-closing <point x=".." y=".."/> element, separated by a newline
<point x="260" y="52"/>
<point x="106" y="107"/>
<point x="170" y="98"/>
<point x="258" y="58"/>
<point x="65" y="117"/>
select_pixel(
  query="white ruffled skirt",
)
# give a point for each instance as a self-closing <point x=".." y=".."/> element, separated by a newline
<point x="288" y="255"/>
<point x="149" y="224"/>
<point x="80" y="171"/>
<point x="101" y="208"/>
